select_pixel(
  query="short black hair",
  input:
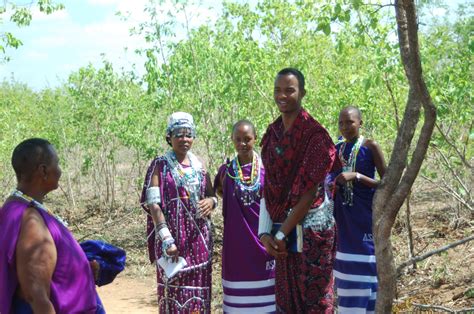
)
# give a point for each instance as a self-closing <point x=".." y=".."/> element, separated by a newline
<point x="28" y="155"/>
<point x="353" y="108"/>
<point x="244" y="122"/>
<point x="295" y="72"/>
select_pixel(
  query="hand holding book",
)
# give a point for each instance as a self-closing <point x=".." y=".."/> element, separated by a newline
<point x="294" y="240"/>
<point x="274" y="247"/>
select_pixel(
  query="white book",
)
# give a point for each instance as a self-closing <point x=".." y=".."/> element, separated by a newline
<point x="171" y="268"/>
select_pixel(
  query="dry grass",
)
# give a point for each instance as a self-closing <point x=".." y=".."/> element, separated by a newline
<point x="446" y="279"/>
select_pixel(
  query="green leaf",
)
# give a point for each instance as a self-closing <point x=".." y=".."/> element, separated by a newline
<point x="347" y="16"/>
<point x="21" y="17"/>
<point x="356" y="4"/>
<point x="337" y="10"/>
<point x="11" y="41"/>
<point x="325" y="27"/>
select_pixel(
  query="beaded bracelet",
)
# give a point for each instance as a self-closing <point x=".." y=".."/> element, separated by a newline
<point x="160" y="225"/>
<point x="165" y="245"/>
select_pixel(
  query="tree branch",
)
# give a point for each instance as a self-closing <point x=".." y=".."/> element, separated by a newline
<point x="402" y="29"/>
<point x="442" y="308"/>
<point x="397" y="192"/>
<point x="433" y="307"/>
<point x="419" y="96"/>
<point x="448" y="165"/>
<point x="417" y="159"/>
<point x="379" y="6"/>
<point x="450" y="143"/>
<point x="450" y="191"/>
<point x="431" y="253"/>
<point x="386" y="203"/>
<point x="394" y="102"/>
<point x="411" y="247"/>
<point x="467" y="138"/>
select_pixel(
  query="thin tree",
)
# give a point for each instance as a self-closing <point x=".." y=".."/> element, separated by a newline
<point x="401" y="172"/>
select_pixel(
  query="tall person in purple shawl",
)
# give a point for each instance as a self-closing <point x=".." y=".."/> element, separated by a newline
<point x="42" y="267"/>
<point x="248" y="271"/>
<point x="355" y="269"/>
<point x="179" y="199"/>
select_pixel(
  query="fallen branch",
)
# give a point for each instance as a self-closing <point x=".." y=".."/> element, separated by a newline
<point x="431" y="253"/>
<point x="441" y="308"/>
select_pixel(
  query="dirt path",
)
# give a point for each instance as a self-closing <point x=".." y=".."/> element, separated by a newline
<point x="129" y="295"/>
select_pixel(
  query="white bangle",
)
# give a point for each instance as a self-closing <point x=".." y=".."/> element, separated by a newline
<point x="164" y="233"/>
<point x="153" y="195"/>
<point x="264" y="221"/>
<point x="214" y="200"/>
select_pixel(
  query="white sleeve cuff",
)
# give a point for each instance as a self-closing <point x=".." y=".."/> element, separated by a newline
<point x="264" y="222"/>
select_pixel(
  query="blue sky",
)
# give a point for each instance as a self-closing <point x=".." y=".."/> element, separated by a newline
<point x="56" y="45"/>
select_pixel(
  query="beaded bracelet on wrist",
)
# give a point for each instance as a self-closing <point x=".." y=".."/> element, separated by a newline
<point x="165" y="245"/>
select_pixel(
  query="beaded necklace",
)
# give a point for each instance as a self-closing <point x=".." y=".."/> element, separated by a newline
<point x="349" y="166"/>
<point x="189" y="180"/>
<point x="248" y="187"/>
<point x="37" y="205"/>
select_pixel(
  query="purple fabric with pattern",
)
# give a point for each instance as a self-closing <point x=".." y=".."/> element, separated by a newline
<point x="190" y="290"/>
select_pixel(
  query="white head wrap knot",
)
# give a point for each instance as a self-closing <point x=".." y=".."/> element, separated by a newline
<point x="179" y="120"/>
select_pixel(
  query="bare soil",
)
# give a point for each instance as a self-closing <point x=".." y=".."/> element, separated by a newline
<point x="129" y="295"/>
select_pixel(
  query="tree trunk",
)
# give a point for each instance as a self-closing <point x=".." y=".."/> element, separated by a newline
<point x="400" y="173"/>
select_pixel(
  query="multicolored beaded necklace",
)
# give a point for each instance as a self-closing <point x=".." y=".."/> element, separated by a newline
<point x="349" y="166"/>
<point x="248" y="186"/>
<point x="37" y="205"/>
<point x="190" y="180"/>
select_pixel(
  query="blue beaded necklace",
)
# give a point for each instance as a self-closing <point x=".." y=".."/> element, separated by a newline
<point x="348" y="165"/>
<point x="186" y="179"/>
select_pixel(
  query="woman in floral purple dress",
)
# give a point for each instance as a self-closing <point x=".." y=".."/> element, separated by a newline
<point x="178" y="198"/>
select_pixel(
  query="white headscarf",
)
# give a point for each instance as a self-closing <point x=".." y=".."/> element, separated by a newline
<point x="179" y="120"/>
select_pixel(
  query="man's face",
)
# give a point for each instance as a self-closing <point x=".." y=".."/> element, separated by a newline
<point x="287" y="93"/>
